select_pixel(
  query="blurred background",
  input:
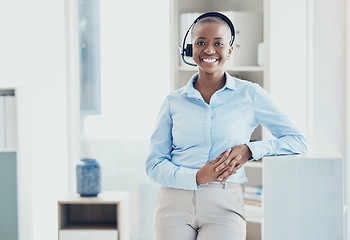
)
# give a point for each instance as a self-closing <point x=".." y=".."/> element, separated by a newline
<point x="88" y="78"/>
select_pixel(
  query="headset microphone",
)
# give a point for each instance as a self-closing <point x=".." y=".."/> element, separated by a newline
<point x="187" y="51"/>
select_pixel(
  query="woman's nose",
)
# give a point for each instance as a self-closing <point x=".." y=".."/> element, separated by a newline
<point x="209" y="50"/>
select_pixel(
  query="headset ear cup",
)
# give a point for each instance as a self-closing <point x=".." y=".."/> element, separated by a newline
<point x="188" y="50"/>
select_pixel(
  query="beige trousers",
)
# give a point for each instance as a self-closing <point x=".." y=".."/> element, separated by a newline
<point x="214" y="212"/>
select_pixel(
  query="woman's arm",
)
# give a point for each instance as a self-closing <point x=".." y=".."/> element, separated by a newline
<point x="159" y="166"/>
<point x="289" y="138"/>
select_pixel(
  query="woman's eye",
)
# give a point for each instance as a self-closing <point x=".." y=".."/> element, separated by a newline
<point x="218" y="44"/>
<point x="200" y="43"/>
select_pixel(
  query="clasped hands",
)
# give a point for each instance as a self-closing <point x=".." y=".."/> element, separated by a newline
<point x="225" y="165"/>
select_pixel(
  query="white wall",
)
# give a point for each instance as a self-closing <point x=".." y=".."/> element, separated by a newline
<point x="329" y="70"/>
<point x="135" y="66"/>
<point x="32" y="61"/>
<point x="290" y="36"/>
<point x="288" y="56"/>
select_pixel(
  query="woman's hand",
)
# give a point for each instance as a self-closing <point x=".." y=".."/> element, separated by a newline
<point x="230" y="163"/>
<point x="208" y="173"/>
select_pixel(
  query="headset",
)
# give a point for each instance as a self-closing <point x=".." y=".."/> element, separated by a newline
<point x="187" y="51"/>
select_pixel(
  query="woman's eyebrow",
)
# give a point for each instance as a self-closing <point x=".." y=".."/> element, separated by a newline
<point x="206" y="38"/>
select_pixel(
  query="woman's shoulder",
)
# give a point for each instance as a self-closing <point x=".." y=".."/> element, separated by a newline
<point x="246" y="86"/>
<point x="244" y="83"/>
<point x="177" y="93"/>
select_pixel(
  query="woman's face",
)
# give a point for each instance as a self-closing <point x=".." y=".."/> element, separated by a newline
<point x="211" y="47"/>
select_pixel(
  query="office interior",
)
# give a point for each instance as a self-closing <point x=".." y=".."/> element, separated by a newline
<point x="130" y="56"/>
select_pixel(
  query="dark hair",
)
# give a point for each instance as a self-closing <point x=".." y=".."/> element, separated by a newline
<point x="210" y="20"/>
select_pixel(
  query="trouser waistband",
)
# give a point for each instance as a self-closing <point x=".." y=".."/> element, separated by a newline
<point x="225" y="185"/>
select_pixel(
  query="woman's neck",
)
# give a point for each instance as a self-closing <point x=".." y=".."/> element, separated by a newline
<point x="210" y="82"/>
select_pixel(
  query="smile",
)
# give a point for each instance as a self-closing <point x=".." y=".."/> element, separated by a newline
<point x="210" y="60"/>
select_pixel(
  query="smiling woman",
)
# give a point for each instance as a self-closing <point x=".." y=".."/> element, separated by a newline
<point x="211" y="47"/>
<point x="202" y="141"/>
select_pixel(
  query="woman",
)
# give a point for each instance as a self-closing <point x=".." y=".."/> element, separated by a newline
<point x="201" y="143"/>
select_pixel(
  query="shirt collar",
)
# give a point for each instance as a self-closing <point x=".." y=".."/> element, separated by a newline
<point x="230" y="82"/>
<point x="191" y="91"/>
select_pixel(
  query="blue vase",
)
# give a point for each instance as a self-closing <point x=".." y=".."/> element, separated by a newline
<point x="88" y="177"/>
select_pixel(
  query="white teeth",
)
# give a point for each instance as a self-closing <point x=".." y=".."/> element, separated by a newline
<point x="209" y="60"/>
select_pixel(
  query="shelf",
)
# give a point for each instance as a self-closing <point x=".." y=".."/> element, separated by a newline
<point x="229" y="69"/>
<point x="88" y="234"/>
<point x="255" y="164"/>
<point x="88" y="216"/>
<point x="92" y="226"/>
<point x="7" y="150"/>
<point x="107" y="213"/>
<point x="254" y="213"/>
<point x="103" y="198"/>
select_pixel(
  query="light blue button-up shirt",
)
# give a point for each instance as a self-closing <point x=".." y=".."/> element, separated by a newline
<point x="189" y="132"/>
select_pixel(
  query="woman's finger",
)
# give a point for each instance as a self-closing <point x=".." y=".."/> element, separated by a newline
<point x="220" y="156"/>
<point x="229" y="166"/>
<point x="225" y="178"/>
<point x="230" y="169"/>
<point x="238" y="166"/>
<point x="223" y="157"/>
<point x="226" y="173"/>
<point x="228" y="161"/>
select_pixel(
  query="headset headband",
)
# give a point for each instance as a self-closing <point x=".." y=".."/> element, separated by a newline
<point x="187" y="51"/>
<point x="222" y="17"/>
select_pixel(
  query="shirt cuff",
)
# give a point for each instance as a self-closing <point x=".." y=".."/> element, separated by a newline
<point x="186" y="179"/>
<point x="257" y="150"/>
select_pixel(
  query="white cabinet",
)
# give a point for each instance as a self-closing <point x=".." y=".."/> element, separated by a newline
<point x="304" y="194"/>
<point x="94" y="218"/>
<point x="255" y="212"/>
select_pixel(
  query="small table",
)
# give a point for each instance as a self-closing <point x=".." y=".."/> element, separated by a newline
<point x="94" y="218"/>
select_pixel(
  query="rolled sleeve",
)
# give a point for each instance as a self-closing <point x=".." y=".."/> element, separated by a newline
<point x="289" y="138"/>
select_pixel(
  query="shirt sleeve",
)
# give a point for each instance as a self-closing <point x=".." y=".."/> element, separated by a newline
<point x="289" y="138"/>
<point x="159" y="166"/>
